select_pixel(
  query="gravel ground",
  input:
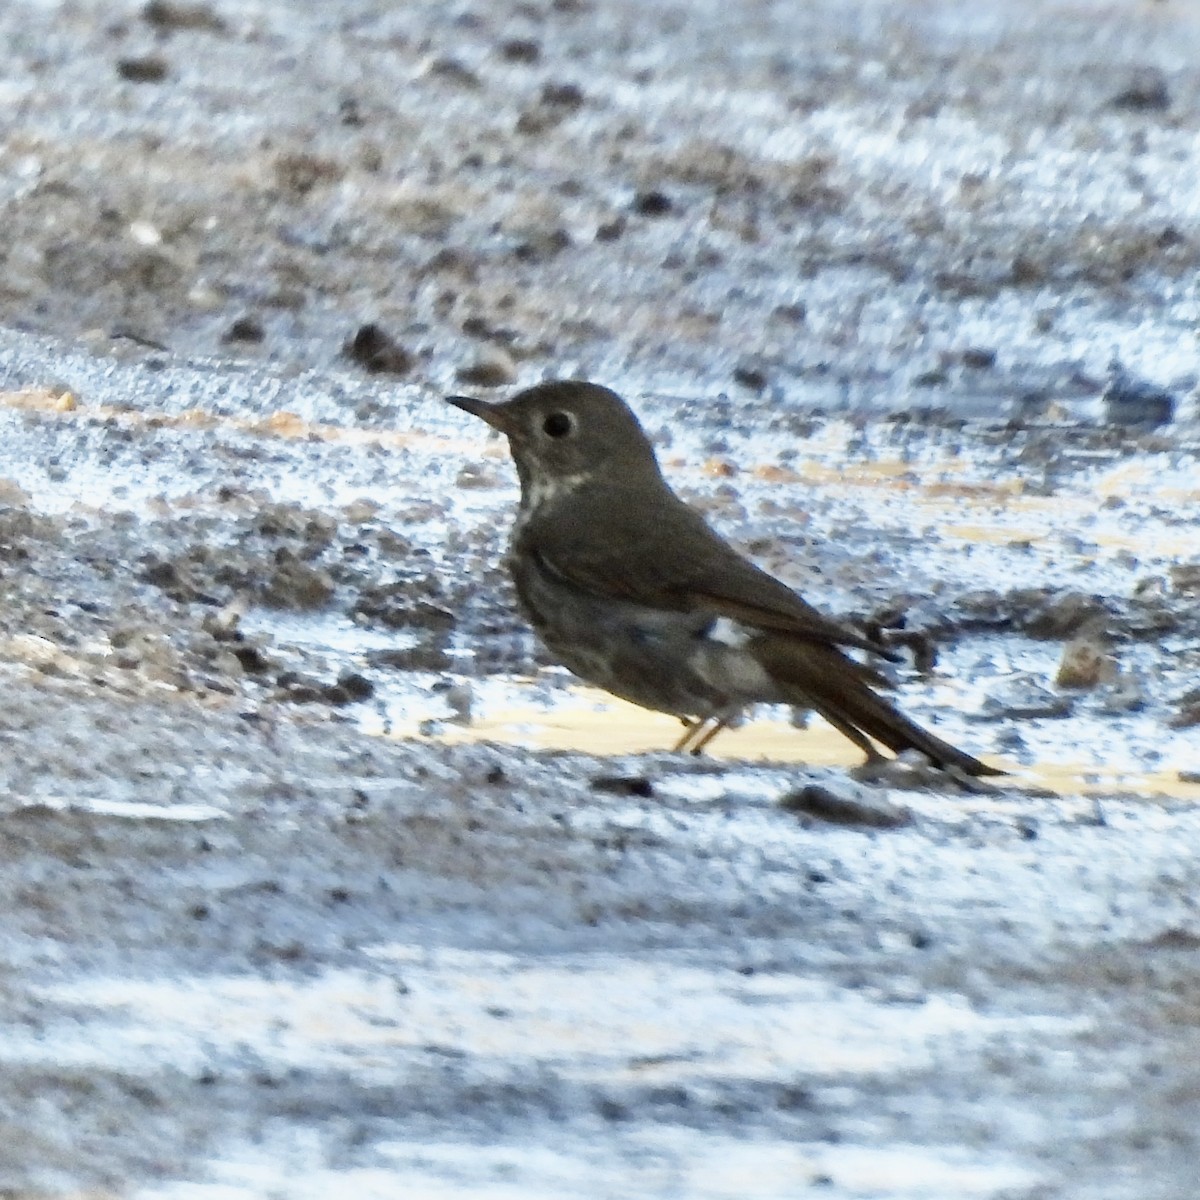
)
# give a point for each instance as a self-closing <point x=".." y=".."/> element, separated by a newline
<point x="321" y="879"/>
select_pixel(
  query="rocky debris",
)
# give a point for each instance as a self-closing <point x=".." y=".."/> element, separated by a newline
<point x="373" y="348"/>
<point x="1185" y="578"/>
<point x="492" y="368"/>
<point x="170" y="16"/>
<point x="295" y="687"/>
<point x="520" y="50"/>
<point x="863" y="808"/>
<point x="652" y="202"/>
<point x="623" y="785"/>
<point x="295" y="584"/>
<point x="146" y="68"/>
<point x="1146" y="91"/>
<point x="1061" y="615"/>
<point x="1136" y="403"/>
<point x="1024" y="697"/>
<point x="1087" y="662"/>
<point x="1188" y="715"/>
<point x="247" y="329"/>
<point x="299" y="172"/>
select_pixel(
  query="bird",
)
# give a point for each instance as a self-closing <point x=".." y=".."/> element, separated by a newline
<point x="631" y="589"/>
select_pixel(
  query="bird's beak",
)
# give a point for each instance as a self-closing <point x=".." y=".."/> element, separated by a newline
<point x="493" y="414"/>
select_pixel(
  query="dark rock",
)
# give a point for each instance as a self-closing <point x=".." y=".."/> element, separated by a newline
<point x="253" y="661"/>
<point x="610" y="231"/>
<point x="299" y="173"/>
<point x="453" y="71"/>
<point x="493" y="370"/>
<point x="1135" y="403"/>
<point x="147" y="68"/>
<point x="161" y="573"/>
<point x="395" y="606"/>
<point x="350" y="688"/>
<point x="297" y="585"/>
<point x="372" y="348"/>
<point x="562" y="95"/>
<point x="168" y="16"/>
<point x="248" y="328"/>
<point x="350" y="113"/>
<point x="1185" y="578"/>
<point x="1060" y="617"/>
<point x="1146" y="91"/>
<point x="652" y="203"/>
<point x="520" y="50"/>
<point x="1086" y="663"/>
<point x="1025" y="698"/>
<point x="624" y="785"/>
<point x="871" y="811"/>
<point x="750" y="375"/>
<point x="300" y="689"/>
<point x="790" y="314"/>
<point x="927" y="379"/>
<point x="978" y="359"/>
<point x="542" y="246"/>
<point x="1189" y="711"/>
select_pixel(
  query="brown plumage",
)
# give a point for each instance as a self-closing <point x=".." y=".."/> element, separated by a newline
<point x="633" y="590"/>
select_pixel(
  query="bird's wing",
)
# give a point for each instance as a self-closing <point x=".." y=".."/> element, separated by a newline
<point x="659" y="552"/>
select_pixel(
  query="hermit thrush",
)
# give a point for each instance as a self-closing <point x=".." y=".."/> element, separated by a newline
<point x="629" y="587"/>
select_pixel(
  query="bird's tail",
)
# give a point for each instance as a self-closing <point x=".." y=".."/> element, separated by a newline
<point x="822" y="678"/>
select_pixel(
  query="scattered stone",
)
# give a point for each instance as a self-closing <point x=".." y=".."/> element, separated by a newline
<point x="472" y="476"/>
<point x="520" y="50"/>
<point x="171" y="15"/>
<point x="146" y="68"/>
<point x="248" y="329"/>
<point x="1135" y="403"/>
<point x="978" y="359"/>
<point x="1063" y="616"/>
<point x="562" y="95"/>
<point x="300" y="173"/>
<point x="1146" y="91"/>
<point x="350" y="688"/>
<point x="652" y="203"/>
<point x="251" y="658"/>
<point x="394" y="606"/>
<point x="1024" y="698"/>
<point x="493" y="368"/>
<point x="1185" y="578"/>
<point x="933" y="378"/>
<point x="610" y="231"/>
<point x="864" y="809"/>
<point x="750" y="375"/>
<point x="374" y="349"/>
<point x="1189" y="711"/>
<point x="297" y="688"/>
<point x="790" y="314"/>
<point x="542" y="245"/>
<point x="452" y="71"/>
<point x="624" y="785"/>
<point x="297" y="585"/>
<point x="1086" y="663"/>
<point x="350" y="112"/>
<point x="1126" y="695"/>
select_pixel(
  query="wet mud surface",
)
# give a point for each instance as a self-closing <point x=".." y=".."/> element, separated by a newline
<point x="319" y="877"/>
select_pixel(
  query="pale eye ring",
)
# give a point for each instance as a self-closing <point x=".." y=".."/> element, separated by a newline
<point x="558" y="424"/>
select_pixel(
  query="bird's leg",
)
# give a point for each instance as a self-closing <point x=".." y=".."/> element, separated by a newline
<point x="719" y="723"/>
<point x="702" y="731"/>
<point x="690" y="730"/>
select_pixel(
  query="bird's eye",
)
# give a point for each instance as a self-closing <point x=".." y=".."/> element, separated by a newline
<point x="558" y="424"/>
